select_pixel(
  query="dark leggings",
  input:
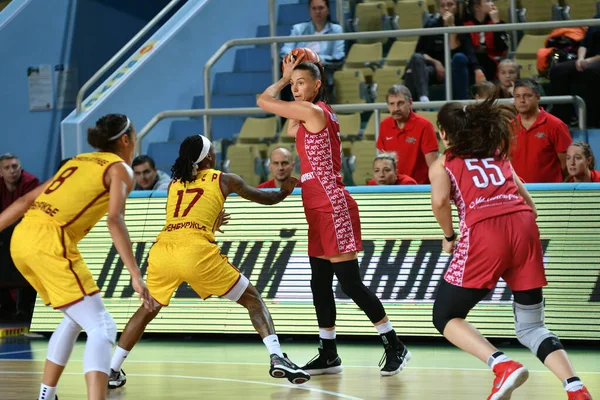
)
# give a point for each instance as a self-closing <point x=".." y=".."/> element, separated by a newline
<point x="456" y="302"/>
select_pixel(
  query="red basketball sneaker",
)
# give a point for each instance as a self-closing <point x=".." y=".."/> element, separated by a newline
<point x="509" y="376"/>
<point x="581" y="394"/>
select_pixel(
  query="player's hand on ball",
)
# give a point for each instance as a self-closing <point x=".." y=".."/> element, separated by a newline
<point x="289" y="184"/>
<point x="140" y="287"/>
<point x="289" y="63"/>
<point x="447" y="246"/>
<point x="222" y="219"/>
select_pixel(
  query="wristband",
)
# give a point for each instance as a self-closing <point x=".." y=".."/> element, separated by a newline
<point x="450" y="238"/>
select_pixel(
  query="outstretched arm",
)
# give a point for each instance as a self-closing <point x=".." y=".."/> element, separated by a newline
<point x="18" y="208"/>
<point x="232" y="183"/>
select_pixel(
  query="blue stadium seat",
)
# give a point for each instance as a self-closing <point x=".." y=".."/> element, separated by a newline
<point x="227" y="101"/>
<point x="594" y="141"/>
<point x="226" y="126"/>
<point x="280" y="30"/>
<point x="238" y="83"/>
<point x="255" y="59"/>
<point x="164" y="154"/>
<point x="579" y="135"/>
<point x="181" y="129"/>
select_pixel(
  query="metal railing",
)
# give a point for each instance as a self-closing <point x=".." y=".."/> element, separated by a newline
<point x="376" y="107"/>
<point x="121" y="53"/>
<point x="446" y="31"/>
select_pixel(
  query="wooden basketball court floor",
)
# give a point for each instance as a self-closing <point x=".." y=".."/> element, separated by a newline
<point x="236" y="369"/>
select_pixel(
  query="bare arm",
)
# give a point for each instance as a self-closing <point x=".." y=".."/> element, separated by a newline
<point x="19" y="207"/>
<point x="120" y="183"/>
<point x="440" y="196"/>
<point x="232" y="183"/>
<point x="431" y="157"/>
<point x="292" y="128"/>
<point x="525" y="194"/>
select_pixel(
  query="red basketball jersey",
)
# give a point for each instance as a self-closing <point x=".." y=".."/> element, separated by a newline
<point x="482" y="189"/>
<point x="320" y="165"/>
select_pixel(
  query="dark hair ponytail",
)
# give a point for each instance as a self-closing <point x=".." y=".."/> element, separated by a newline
<point x="317" y="72"/>
<point x="102" y="136"/>
<point x="479" y="130"/>
<point x="189" y="151"/>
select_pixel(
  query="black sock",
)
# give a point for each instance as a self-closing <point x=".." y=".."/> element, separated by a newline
<point x="390" y="339"/>
<point x="328" y="345"/>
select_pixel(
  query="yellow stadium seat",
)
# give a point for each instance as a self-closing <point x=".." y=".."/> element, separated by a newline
<point x="370" y="17"/>
<point x="362" y="54"/>
<point x="369" y="132"/>
<point x="347" y="86"/>
<point x="390" y="5"/>
<point x="385" y="78"/>
<point x="256" y="130"/>
<point x="583" y="9"/>
<point x="349" y="124"/>
<point x="241" y="160"/>
<point x="410" y="16"/>
<point x="399" y="54"/>
<point x="364" y="151"/>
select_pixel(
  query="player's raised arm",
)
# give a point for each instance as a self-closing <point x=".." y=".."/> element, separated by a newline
<point x="18" y="208"/>
<point x="120" y="184"/>
<point x="232" y="183"/>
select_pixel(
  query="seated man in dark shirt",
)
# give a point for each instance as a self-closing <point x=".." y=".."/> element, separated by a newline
<point x="427" y="64"/>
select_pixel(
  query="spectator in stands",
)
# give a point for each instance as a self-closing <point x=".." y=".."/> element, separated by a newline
<point x="14" y="181"/>
<point x="385" y="172"/>
<point x="407" y="134"/>
<point x="581" y="163"/>
<point x="490" y="47"/>
<point x="147" y="177"/>
<point x="541" y="141"/>
<point x="484" y="90"/>
<point x="427" y="64"/>
<point x="320" y="24"/>
<point x="508" y="73"/>
<point x="584" y="70"/>
<point x="281" y="164"/>
<point x="15" y="304"/>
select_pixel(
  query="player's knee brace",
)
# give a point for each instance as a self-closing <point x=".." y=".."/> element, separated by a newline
<point x="320" y="285"/>
<point x="101" y="338"/>
<point x="62" y="341"/>
<point x="348" y="275"/>
<point x="531" y="331"/>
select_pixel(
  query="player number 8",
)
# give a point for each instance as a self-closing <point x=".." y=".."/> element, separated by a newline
<point x="488" y="173"/>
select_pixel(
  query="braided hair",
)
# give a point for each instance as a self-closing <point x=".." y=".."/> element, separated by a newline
<point x="185" y="167"/>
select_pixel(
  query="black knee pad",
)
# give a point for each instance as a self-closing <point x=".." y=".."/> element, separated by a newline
<point x="348" y="275"/>
<point x="321" y="282"/>
<point x="454" y="302"/>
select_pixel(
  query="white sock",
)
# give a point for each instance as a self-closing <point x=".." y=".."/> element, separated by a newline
<point x="272" y="343"/>
<point x="326" y="333"/>
<point x="384" y="328"/>
<point x="573" y="384"/>
<point x="47" y="392"/>
<point x="497" y="358"/>
<point x="118" y="359"/>
<point x="424" y="99"/>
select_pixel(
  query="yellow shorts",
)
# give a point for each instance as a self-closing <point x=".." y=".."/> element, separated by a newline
<point x="199" y="263"/>
<point x="51" y="263"/>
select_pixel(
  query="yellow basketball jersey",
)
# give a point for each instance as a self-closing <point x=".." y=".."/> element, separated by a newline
<point x="193" y="208"/>
<point x="76" y="197"/>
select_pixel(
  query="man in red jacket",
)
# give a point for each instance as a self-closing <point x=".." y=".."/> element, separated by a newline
<point x="14" y="183"/>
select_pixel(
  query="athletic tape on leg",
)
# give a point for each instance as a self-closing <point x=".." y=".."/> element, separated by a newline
<point x="238" y="289"/>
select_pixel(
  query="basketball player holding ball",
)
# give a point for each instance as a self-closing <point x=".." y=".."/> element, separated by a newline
<point x="334" y="237"/>
<point x="499" y="237"/>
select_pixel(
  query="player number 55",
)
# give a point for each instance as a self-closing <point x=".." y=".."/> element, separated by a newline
<point x="487" y="173"/>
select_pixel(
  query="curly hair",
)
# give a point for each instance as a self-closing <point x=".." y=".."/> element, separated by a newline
<point x="189" y="151"/>
<point x="479" y="130"/>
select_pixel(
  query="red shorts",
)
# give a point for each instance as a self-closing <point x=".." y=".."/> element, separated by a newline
<point x="507" y="247"/>
<point x="330" y="234"/>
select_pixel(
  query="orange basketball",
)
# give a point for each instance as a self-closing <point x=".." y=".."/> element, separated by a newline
<point x="303" y="54"/>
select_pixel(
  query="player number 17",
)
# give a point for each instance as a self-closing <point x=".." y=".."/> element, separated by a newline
<point x="197" y="194"/>
<point x="486" y="174"/>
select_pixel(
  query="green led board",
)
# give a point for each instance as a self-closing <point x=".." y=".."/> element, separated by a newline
<point x="402" y="261"/>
